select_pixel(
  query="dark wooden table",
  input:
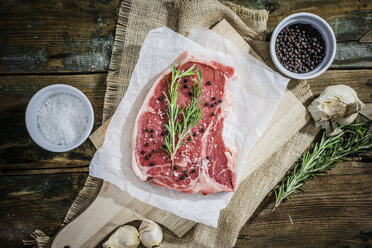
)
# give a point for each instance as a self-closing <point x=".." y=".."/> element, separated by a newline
<point x="70" y="42"/>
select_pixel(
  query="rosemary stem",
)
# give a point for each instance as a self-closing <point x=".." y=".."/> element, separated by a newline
<point x="191" y="113"/>
<point x="354" y="139"/>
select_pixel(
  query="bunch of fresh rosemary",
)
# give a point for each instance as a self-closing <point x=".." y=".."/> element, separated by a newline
<point x="353" y="140"/>
<point x="191" y="113"/>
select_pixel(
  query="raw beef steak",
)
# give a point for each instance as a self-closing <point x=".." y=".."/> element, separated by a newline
<point x="203" y="164"/>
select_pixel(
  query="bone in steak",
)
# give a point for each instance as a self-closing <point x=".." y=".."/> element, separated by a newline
<point x="204" y="164"/>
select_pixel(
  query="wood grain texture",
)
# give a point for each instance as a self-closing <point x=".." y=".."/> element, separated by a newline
<point x="112" y="208"/>
<point x="359" y="80"/>
<point x="30" y="202"/>
<point x="70" y="36"/>
<point x="50" y="36"/>
<point x="350" y="20"/>
<point x="17" y="150"/>
<point x="334" y="212"/>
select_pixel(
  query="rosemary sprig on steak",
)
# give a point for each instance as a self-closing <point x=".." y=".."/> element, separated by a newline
<point x="353" y="140"/>
<point x="177" y="127"/>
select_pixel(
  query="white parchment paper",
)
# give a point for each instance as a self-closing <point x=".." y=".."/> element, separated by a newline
<point x="255" y="95"/>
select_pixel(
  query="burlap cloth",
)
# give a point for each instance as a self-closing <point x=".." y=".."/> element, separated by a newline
<point x="136" y="18"/>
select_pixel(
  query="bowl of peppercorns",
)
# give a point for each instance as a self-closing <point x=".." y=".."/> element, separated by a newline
<point x="302" y="46"/>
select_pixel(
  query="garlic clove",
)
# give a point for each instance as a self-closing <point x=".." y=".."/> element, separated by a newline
<point x="150" y="233"/>
<point x="336" y="105"/>
<point x="347" y="119"/>
<point x="124" y="237"/>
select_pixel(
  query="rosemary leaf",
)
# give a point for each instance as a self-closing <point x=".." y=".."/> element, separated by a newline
<point x="191" y="113"/>
<point x="354" y="139"/>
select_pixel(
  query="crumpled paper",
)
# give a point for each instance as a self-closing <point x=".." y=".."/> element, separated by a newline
<point x="255" y="95"/>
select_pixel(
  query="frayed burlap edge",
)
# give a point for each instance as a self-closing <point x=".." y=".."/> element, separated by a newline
<point x="116" y="61"/>
<point x="85" y="197"/>
<point x="256" y="15"/>
<point x="93" y="185"/>
<point x="39" y="240"/>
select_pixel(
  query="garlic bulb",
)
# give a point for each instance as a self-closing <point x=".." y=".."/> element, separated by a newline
<point x="150" y="233"/>
<point x="124" y="237"/>
<point x="336" y="105"/>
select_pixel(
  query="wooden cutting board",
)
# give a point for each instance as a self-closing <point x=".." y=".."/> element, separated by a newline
<point x="114" y="207"/>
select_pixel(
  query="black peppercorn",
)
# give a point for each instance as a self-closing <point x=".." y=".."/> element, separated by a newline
<point x="220" y="101"/>
<point x="189" y="139"/>
<point x="150" y="155"/>
<point x="213" y="98"/>
<point x="302" y="49"/>
<point x="153" y="150"/>
<point x="193" y="170"/>
<point x="152" y="130"/>
<point x="152" y="164"/>
<point x="182" y="177"/>
<point x="207" y="104"/>
<point x="190" y="93"/>
<point x="160" y="98"/>
<point x="147" y="157"/>
<point x="195" y="134"/>
<point x="164" y="147"/>
<point x="162" y="133"/>
<point x="209" y="82"/>
<point x="185" y="80"/>
<point x="147" y="144"/>
<point x="212" y="105"/>
<point x="185" y="86"/>
<point x="146" y="130"/>
<point x="207" y="157"/>
<point x="175" y="167"/>
<point x="143" y="152"/>
<point x="202" y="129"/>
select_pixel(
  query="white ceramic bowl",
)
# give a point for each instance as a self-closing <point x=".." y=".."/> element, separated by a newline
<point x="327" y="34"/>
<point x="33" y="108"/>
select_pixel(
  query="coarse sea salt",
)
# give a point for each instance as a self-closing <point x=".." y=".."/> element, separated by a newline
<point x="62" y="119"/>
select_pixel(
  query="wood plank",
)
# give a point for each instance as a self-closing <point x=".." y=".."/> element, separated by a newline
<point x="35" y="202"/>
<point x="359" y="80"/>
<point x="112" y="208"/>
<point x="350" y="19"/>
<point x="64" y="35"/>
<point x="352" y="54"/>
<point x="16" y="146"/>
<point x="98" y="136"/>
<point x="334" y="212"/>
<point x="44" y="171"/>
<point x="39" y="36"/>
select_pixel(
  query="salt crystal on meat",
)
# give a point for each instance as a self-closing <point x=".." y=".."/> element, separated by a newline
<point x="220" y="176"/>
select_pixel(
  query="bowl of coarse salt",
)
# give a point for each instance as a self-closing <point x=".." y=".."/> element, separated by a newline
<point x="59" y="118"/>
